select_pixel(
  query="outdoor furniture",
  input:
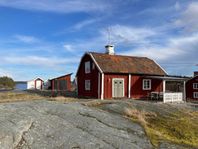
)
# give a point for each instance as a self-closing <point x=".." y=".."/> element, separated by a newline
<point x="156" y="95"/>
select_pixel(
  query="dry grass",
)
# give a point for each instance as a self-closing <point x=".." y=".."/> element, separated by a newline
<point x="63" y="99"/>
<point x="96" y="103"/>
<point x="179" y="128"/>
<point x="12" y="96"/>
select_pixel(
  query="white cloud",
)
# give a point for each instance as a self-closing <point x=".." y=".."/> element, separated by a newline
<point x="68" y="47"/>
<point x="4" y="72"/>
<point x="189" y="18"/>
<point x="38" y="60"/>
<point x="61" y="6"/>
<point x="175" y="48"/>
<point x="85" y="23"/>
<point x="26" y="39"/>
<point x="178" y="56"/>
<point x="120" y="34"/>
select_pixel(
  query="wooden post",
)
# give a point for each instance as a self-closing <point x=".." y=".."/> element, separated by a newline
<point x="129" y="86"/>
<point x="184" y="94"/>
<point x="164" y="90"/>
<point x="102" y="87"/>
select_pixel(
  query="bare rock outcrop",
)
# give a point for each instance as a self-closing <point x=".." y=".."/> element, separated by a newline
<point x="45" y="124"/>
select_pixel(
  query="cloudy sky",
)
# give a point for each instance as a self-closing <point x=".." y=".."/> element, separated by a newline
<point x="47" y="38"/>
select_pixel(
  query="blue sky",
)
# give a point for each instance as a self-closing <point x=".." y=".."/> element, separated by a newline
<point x="47" y="38"/>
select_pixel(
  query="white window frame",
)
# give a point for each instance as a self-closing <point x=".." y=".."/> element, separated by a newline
<point x="87" y="67"/>
<point x="143" y="84"/>
<point x="87" y="85"/>
<point x="195" y="94"/>
<point x="195" y="85"/>
<point x="117" y="79"/>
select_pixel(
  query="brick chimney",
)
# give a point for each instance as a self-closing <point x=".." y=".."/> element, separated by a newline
<point x="110" y="49"/>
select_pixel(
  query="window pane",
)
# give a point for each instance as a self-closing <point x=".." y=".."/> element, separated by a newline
<point x="87" y="67"/>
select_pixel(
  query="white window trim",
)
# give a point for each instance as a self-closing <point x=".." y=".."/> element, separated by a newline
<point x="143" y="84"/>
<point x="195" y="85"/>
<point x="87" y="63"/>
<point x="121" y="79"/>
<point x="194" y="94"/>
<point x="88" y="89"/>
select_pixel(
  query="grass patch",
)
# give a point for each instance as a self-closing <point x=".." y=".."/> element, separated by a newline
<point x="97" y="103"/>
<point x="12" y="96"/>
<point x="180" y="127"/>
<point x="63" y="99"/>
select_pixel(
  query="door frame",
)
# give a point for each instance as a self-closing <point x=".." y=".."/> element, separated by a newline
<point x="117" y="79"/>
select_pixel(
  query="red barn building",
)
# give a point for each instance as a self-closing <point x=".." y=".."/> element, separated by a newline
<point x="62" y="83"/>
<point x="106" y="76"/>
<point x="192" y="87"/>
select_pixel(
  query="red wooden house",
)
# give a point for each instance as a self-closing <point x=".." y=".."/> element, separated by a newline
<point x="62" y="83"/>
<point x="192" y="87"/>
<point x="106" y="76"/>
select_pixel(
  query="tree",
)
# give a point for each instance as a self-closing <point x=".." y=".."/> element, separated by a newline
<point x="7" y="82"/>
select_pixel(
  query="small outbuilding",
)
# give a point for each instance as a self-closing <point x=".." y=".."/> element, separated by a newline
<point x="35" y="84"/>
<point x="192" y="87"/>
<point x="62" y="83"/>
<point x="107" y="76"/>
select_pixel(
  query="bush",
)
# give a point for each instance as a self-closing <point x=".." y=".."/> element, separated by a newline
<point x="7" y="83"/>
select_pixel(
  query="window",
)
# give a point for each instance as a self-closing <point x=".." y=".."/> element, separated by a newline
<point x="146" y="84"/>
<point x="195" y="94"/>
<point x="87" y="85"/>
<point x="87" y="67"/>
<point x="93" y="66"/>
<point x="195" y="85"/>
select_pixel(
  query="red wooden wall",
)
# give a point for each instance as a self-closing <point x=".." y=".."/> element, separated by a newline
<point x="136" y="86"/>
<point x="137" y="89"/>
<point x="108" y="84"/>
<point x="92" y="76"/>
<point x="189" y="88"/>
<point x="68" y="80"/>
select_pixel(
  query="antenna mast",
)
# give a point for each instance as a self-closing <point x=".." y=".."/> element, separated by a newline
<point x="109" y="35"/>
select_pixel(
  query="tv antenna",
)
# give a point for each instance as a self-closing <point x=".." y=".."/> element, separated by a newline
<point x="109" y="35"/>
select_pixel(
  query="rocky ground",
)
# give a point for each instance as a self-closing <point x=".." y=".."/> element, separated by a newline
<point x="51" y="125"/>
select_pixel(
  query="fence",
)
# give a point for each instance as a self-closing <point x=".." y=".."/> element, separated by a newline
<point x="173" y="97"/>
<point x="54" y="93"/>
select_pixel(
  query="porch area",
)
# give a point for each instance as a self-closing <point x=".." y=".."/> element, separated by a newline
<point x="173" y="89"/>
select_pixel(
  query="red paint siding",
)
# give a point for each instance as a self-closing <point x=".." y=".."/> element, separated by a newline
<point x="92" y="76"/>
<point x="189" y="88"/>
<point x="137" y="89"/>
<point x="108" y="84"/>
<point x="136" y="86"/>
<point x="68" y="80"/>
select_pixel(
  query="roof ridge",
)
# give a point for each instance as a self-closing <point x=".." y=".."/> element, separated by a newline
<point x="119" y="55"/>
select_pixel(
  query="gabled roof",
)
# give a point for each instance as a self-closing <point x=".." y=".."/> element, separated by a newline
<point x="35" y="79"/>
<point x="126" y="64"/>
<point x="62" y="76"/>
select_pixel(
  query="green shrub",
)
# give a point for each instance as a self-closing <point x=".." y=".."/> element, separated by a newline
<point x="7" y="82"/>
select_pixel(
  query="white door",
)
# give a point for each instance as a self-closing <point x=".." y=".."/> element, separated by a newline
<point x="118" y="88"/>
<point x="38" y="84"/>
